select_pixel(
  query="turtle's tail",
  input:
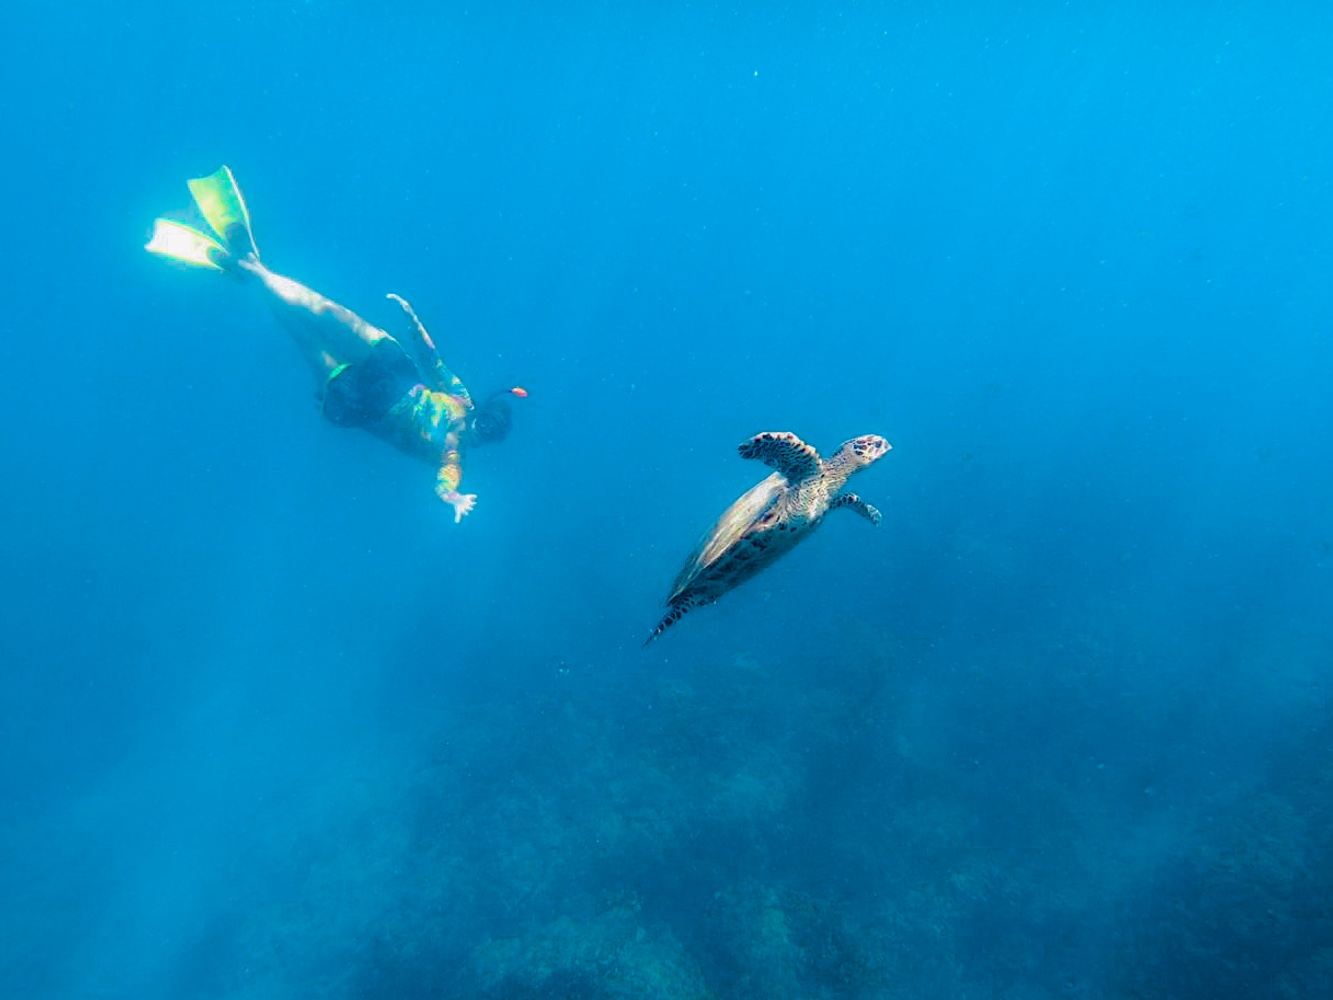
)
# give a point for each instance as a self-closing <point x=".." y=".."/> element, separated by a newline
<point x="677" y="612"/>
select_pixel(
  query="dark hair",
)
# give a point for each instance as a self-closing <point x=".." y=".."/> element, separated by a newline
<point x="491" y="419"/>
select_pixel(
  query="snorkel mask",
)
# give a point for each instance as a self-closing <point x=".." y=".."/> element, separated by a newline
<point x="492" y="417"/>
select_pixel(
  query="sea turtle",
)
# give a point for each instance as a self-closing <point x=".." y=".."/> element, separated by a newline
<point x="771" y="517"/>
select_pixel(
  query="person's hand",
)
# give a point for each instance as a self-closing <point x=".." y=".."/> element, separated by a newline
<point x="462" y="503"/>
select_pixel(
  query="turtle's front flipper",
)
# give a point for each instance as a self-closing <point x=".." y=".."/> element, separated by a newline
<point x="784" y="451"/>
<point x="868" y="511"/>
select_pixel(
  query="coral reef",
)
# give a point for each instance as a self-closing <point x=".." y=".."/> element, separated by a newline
<point x="719" y="831"/>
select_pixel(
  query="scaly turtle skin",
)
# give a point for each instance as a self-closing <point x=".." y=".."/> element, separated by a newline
<point x="771" y="517"/>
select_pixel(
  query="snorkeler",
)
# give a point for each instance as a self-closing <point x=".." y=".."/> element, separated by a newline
<point x="399" y="389"/>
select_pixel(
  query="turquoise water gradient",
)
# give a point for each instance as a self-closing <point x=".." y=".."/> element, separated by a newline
<point x="272" y="726"/>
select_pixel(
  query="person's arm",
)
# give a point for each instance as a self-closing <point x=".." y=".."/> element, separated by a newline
<point x="428" y="357"/>
<point x="449" y="477"/>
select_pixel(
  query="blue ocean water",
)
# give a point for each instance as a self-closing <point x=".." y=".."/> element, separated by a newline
<point x="272" y="726"/>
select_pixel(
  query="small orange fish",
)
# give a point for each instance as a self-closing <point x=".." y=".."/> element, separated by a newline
<point x="520" y="392"/>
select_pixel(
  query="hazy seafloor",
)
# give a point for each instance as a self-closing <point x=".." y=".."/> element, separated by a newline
<point x="272" y="727"/>
<point x="707" y="832"/>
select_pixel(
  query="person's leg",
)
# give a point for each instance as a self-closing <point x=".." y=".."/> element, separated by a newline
<point x="326" y="333"/>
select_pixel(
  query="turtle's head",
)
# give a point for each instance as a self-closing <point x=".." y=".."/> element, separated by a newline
<point x="862" y="451"/>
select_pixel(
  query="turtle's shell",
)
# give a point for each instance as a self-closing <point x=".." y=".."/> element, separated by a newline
<point x="730" y="528"/>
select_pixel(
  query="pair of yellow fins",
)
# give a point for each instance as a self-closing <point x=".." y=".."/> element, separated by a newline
<point x="219" y="201"/>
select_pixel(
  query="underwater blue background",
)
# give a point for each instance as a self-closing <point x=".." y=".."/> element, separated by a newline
<point x="272" y="726"/>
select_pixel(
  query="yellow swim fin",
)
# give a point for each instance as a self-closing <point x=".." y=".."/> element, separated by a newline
<point x="189" y="246"/>
<point x="221" y="204"/>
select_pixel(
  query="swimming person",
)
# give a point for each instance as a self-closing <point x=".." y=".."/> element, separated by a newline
<point x="398" y="388"/>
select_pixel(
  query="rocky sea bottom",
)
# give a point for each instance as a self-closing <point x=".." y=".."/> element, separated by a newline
<point x="850" y="827"/>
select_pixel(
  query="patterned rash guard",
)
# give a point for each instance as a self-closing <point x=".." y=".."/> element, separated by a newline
<point x="428" y="422"/>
